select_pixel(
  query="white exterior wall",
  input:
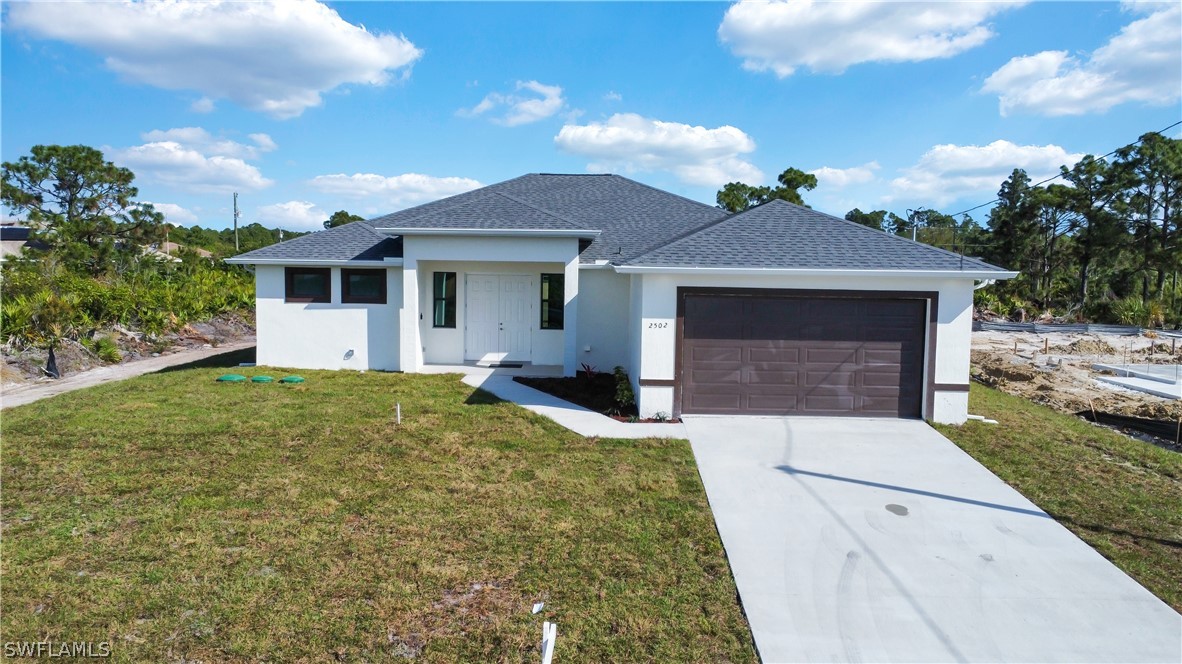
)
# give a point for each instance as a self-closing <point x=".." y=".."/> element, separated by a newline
<point x="635" y="313"/>
<point x="425" y="254"/>
<point x="446" y="345"/>
<point x="319" y="336"/>
<point x="655" y="295"/>
<point x="603" y="331"/>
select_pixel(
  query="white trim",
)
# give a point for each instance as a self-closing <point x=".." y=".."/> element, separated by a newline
<point x="387" y="262"/>
<point x="756" y="271"/>
<point x="491" y="232"/>
<point x="597" y="265"/>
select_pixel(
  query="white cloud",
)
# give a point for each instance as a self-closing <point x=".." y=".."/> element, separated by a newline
<point x="197" y="138"/>
<point x="612" y="95"/>
<point x="397" y="191"/>
<point x="275" y="56"/>
<point x="264" y="142"/>
<point x="948" y="172"/>
<point x="828" y="37"/>
<point x="192" y="159"/>
<point x="203" y="105"/>
<point x="839" y="178"/>
<point x="1142" y="63"/>
<point x="695" y="154"/>
<point x="520" y="109"/>
<point x="292" y="215"/>
<point x="173" y="213"/>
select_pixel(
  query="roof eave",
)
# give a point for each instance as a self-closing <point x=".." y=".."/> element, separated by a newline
<point x="815" y="272"/>
<point x="314" y="262"/>
<point x="492" y="232"/>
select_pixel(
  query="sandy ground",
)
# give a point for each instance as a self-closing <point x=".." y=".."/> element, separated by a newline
<point x="1056" y="369"/>
<point x="17" y="395"/>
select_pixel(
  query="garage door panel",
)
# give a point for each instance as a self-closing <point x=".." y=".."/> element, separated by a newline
<point x="828" y="356"/>
<point x="831" y="378"/>
<point x="892" y="356"/>
<point x="714" y="353"/>
<point x="731" y="376"/>
<point x="825" y="403"/>
<point x="883" y="406"/>
<point x="806" y="355"/>
<point x="878" y="379"/>
<point x="772" y="402"/>
<point x="773" y="354"/>
<point x="722" y="403"/>
<point x="769" y="377"/>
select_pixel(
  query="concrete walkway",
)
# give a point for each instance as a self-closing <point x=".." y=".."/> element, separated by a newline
<point x="43" y="389"/>
<point x="881" y="541"/>
<point x="582" y="421"/>
<point x="1163" y="380"/>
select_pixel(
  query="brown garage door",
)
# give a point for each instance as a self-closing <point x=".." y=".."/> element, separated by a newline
<point x="773" y="355"/>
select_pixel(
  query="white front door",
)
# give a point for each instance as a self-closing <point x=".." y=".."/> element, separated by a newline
<point x="498" y="320"/>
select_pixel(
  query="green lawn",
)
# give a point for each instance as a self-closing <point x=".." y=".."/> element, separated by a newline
<point x="1122" y="496"/>
<point x="182" y="519"/>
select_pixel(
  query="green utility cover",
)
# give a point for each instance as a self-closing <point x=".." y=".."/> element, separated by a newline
<point x="261" y="379"/>
<point x="231" y="378"/>
<point x="291" y="379"/>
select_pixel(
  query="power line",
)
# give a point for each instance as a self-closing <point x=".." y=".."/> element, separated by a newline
<point x="1060" y="174"/>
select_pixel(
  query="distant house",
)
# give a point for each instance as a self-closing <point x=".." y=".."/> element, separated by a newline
<point x="777" y="310"/>
<point x="14" y="240"/>
<point x="170" y="251"/>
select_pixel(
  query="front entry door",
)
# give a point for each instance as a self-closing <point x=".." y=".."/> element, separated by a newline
<point x="498" y="318"/>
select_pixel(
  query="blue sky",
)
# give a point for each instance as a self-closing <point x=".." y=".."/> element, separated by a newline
<point x="306" y="108"/>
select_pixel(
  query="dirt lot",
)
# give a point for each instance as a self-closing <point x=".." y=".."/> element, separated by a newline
<point x="23" y="366"/>
<point x="1056" y="370"/>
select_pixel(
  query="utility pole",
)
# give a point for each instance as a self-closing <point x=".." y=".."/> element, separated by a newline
<point x="235" y="222"/>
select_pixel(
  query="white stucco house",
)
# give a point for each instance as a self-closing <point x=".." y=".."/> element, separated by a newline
<point x="776" y="310"/>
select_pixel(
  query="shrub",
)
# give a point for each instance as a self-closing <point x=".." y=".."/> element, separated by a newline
<point x="625" y="398"/>
<point x="1132" y="311"/>
<point x="107" y="350"/>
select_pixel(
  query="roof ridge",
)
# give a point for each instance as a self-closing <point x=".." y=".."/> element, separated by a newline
<point x="685" y="234"/>
<point x="542" y="210"/>
<point x="483" y="189"/>
<point x="662" y="191"/>
<point x="466" y="201"/>
<point x="366" y="224"/>
<point x="877" y="230"/>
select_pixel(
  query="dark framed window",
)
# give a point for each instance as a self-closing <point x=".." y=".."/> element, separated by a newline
<point x="443" y="308"/>
<point x="308" y="284"/>
<point x="552" y="301"/>
<point x="363" y="286"/>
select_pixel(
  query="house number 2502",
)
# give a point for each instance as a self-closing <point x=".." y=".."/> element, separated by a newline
<point x="657" y="326"/>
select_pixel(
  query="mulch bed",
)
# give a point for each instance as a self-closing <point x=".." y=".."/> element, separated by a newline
<point x="596" y="392"/>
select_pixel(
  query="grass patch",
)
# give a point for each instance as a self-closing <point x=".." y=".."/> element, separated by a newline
<point x="181" y="519"/>
<point x="1118" y="494"/>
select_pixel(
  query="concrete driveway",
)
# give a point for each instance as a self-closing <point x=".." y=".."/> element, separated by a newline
<point x="881" y="541"/>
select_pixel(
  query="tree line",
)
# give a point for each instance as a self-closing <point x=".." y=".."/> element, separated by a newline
<point x="1103" y="242"/>
<point x="94" y="268"/>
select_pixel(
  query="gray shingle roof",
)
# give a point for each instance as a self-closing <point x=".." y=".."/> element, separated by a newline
<point x="485" y="209"/>
<point x="786" y="236"/>
<point x="632" y="217"/>
<point x="355" y="241"/>
<point x="639" y="225"/>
